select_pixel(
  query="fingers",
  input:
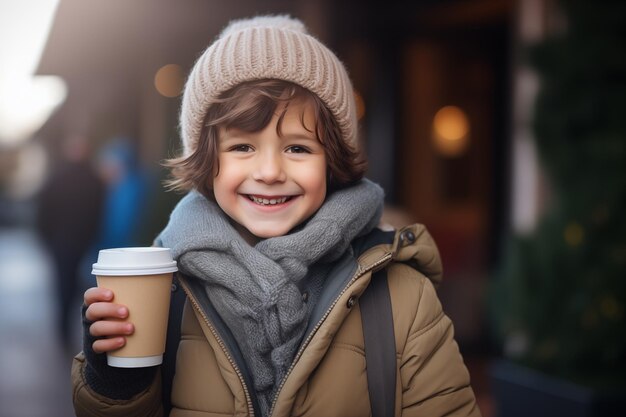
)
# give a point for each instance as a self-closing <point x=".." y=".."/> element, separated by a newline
<point x="107" y="320"/>
<point x="106" y="310"/>
<point x="95" y="294"/>
<point x="104" y="328"/>
<point x="108" y="345"/>
<point x="113" y="332"/>
<point x="100" y="306"/>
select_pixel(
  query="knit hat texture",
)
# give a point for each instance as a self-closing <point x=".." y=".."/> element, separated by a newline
<point x="266" y="47"/>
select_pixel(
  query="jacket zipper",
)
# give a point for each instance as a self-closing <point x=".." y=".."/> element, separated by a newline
<point x="222" y="345"/>
<point x="358" y="274"/>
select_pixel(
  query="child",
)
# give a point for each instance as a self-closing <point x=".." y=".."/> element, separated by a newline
<point x="275" y="242"/>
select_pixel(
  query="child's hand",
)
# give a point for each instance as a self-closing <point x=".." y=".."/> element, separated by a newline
<point x="106" y="317"/>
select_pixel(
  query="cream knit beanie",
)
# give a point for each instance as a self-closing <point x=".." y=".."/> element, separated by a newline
<point x="264" y="47"/>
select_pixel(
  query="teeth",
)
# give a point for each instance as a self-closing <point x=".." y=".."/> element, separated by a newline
<point x="265" y="201"/>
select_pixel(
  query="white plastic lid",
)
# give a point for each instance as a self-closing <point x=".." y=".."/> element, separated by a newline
<point x="134" y="261"/>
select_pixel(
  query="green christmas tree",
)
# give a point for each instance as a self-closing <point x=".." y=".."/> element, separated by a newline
<point x="560" y="298"/>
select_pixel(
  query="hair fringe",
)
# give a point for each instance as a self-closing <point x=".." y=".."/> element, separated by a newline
<point x="250" y="107"/>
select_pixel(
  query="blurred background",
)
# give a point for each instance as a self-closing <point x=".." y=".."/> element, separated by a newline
<point x="497" y="123"/>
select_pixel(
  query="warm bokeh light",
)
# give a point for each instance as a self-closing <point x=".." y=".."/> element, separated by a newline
<point x="451" y="131"/>
<point x="611" y="308"/>
<point x="574" y="234"/>
<point x="360" y="105"/>
<point x="169" y="80"/>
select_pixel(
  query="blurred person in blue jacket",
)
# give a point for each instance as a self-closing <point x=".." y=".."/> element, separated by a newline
<point x="125" y="197"/>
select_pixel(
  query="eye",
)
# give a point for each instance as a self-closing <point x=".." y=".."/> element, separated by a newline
<point x="298" y="149"/>
<point x="240" y="148"/>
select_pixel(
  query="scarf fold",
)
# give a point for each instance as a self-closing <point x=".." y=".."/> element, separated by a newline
<point x="258" y="290"/>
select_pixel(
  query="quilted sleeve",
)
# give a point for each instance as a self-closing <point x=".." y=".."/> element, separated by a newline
<point x="435" y="381"/>
<point x="88" y="403"/>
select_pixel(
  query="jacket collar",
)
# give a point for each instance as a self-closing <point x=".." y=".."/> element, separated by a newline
<point x="412" y="245"/>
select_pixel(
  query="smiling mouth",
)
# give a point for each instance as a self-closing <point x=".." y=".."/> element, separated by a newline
<point x="271" y="201"/>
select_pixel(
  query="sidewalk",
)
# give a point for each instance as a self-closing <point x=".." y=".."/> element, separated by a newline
<point x="34" y="370"/>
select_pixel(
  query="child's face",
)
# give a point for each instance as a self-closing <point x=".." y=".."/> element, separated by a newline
<point x="269" y="183"/>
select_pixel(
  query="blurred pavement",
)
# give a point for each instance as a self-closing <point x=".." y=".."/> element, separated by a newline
<point x="34" y="366"/>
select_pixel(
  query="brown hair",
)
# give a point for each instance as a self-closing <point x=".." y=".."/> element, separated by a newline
<point x="250" y="107"/>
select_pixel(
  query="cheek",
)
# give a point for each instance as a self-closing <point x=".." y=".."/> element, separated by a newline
<point x="211" y="179"/>
<point x="221" y="177"/>
<point x="218" y="191"/>
<point x="214" y="182"/>
<point x="314" y="180"/>
<point x="225" y="194"/>
<point x="222" y="187"/>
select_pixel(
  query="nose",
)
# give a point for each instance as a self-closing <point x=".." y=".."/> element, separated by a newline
<point x="269" y="168"/>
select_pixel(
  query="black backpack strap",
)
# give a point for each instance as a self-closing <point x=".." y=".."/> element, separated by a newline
<point x="380" y="345"/>
<point x="177" y="302"/>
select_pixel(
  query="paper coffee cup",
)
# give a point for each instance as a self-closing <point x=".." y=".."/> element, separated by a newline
<point x="141" y="279"/>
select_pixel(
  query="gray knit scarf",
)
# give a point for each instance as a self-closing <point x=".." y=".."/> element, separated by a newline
<point x="258" y="291"/>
